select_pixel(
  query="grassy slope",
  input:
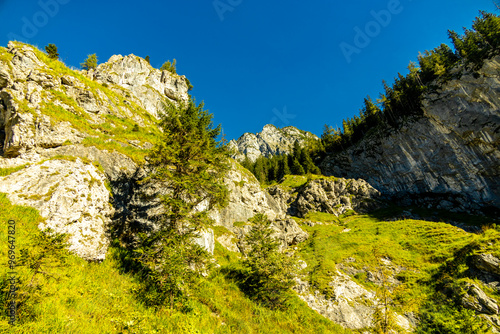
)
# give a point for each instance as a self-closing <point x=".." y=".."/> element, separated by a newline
<point x="98" y="298"/>
<point x="86" y="297"/>
<point x="433" y="254"/>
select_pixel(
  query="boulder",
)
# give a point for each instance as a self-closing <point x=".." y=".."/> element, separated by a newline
<point x="475" y="299"/>
<point x="487" y="263"/>
<point x="336" y="196"/>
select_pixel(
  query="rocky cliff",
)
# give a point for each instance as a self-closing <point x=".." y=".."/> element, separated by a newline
<point x="269" y="142"/>
<point x="73" y="145"/>
<point x="450" y="155"/>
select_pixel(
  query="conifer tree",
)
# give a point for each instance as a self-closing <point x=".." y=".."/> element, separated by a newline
<point x="90" y="63"/>
<point x="297" y="150"/>
<point x="284" y="169"/>
<point x="51" y="50"/>
<point x="247" y="164"/>
<point x="297" y="168"/>
<point x="273" y="169"/>
<point x="169" y="66"/>
<point x="308" y="164"/>
<point x="190" y="162"/>
<point x="270" y="272"/>
<point x="260" y="170"/>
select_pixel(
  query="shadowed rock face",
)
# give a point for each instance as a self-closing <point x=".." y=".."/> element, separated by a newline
<point x="269" y="142"/>
<point x="451" y="151"/>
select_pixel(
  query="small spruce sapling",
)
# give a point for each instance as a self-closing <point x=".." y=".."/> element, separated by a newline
<point x="90" y="62"/>
<point x="51" y="50"/>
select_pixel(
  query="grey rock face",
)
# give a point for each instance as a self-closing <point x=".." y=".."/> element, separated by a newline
<point x="289" y="232"/>
<point x="351" y="306"/>
<point x="73" y="199"/>
<point x="29" y="134"/>
<point x="476" y="299"/>
<point x="246" y="199"/>
<point x="269" y="142"/>
<point x="335" y="196"/>
<point x="23" y="131"/>
<point x="487" y="263"/>
<point x="452" y="150"/>
<point x="28" y="84"/>
<point x="139" y="78"/>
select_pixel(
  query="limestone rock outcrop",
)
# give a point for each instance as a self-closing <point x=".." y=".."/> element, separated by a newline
<point x="139" y="78"/>
<point x="475" y="299"/>
<point x="50" y="112"/>
<point x="451" y="152"/>
<point x="269" y="142"/>
<point x="351" y="305"/>
<point x="487" y="263"/>
<point x="336" y="197"/>
<point x="246" y="199"/>
<point x="73" y="199"/>
<point x="330" y="195"/>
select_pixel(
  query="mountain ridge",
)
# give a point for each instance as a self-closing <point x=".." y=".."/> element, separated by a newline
<point x="269" y="142"/>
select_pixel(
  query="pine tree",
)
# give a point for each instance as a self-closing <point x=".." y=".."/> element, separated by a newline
<point x="90" y="63"/>
<point x="272" y="173"/>
<point x="297" y="150"/>
<point x="283" y="169"/>
<point x="169" y="66"/>
<point x="308" y="164"/>
<point x="190" y="162"/>
<point x="260" y="170"/>
<point x="51" y="50"/>
<point x="297" y="168"/>
<point x="270" y="272"/>
<point x="247" y="163"/>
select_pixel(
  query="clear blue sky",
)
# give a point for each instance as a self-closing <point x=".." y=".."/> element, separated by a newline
<point x="252" y="62"/>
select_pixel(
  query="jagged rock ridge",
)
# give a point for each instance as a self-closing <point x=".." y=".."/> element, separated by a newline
<point x="269" y="142"/>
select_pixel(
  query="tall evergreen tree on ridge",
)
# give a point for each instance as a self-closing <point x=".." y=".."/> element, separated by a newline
<point x="190" y="162"/>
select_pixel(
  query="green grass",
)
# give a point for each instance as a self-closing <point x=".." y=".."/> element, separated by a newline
<point x="422" y="248"/>
<point x="322" y="217"/>
<point x="296" y="181"/>
<point x="10" y="170"/>
<point x="84" y="297"/>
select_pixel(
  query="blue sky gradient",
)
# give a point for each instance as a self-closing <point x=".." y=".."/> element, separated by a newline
<point x="253" y="62"/>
